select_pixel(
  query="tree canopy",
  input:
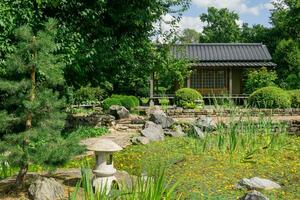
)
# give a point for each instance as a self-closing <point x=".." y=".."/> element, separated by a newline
<point x="221" y="26"/>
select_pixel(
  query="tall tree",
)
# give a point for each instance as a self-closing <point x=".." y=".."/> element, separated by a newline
<point x="189" y="36"/>
<point x="286" y="19"/>
<point x="221" y="26"/>
<point x="31" y="110"/>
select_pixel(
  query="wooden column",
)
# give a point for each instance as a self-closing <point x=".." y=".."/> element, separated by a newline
<point x="230" y="81"/>
<point x="188" y="82"/>
<point x="151" y="92"/>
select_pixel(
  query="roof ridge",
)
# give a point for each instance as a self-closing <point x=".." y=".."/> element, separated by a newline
<point x="218" y="44"/>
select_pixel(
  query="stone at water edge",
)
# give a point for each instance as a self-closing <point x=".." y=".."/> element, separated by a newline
<point x="258" y="183"/>
<point x="175" y="132"/>
<point x="119" y="112"/>
<point x="152" y="131"/>
<point x="159" y="117"/>
<point x="140" y="140"/>
<point x="205" y="123"/>
<point x="254" y="195"/>
<point x="46" y="189"/>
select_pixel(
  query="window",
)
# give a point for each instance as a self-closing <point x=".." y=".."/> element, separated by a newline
<point x="205" y="78"/>
<point x="220" y="79"/>
<point x="208" y="79"/>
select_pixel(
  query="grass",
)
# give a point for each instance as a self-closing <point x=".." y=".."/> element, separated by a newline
<point x="213" y="173"/>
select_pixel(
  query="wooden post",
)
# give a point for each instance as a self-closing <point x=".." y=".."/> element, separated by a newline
<point x="188" y="82"/>
<point x="230" y="82"/>
<point x="151" y="92"/>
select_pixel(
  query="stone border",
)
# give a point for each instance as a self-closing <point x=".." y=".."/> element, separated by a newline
<point x="190" y="113"/>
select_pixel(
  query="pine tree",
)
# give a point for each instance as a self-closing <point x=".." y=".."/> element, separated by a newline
<point x="31" y="117"/>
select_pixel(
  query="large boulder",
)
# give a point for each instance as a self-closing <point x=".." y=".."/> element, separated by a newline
<point x="205" y="123"/>
<point x="159" y="117"/>
<point x="257" y="183"/>
<point x="254" y="195"/>
<point x="140" y="140"/>
<point x="46" y="189"/>
<point x="176" y="131"/>
<point x="154" y="132"/>
<point x="119" y="112"/>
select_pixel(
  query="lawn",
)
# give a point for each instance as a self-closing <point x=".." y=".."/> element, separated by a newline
<point x="204" y="169"/>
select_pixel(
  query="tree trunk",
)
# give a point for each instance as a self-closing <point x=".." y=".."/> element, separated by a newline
<point x="32" y="96"/>
<point x="21" y="176"/>
<point x="24" y="167"/>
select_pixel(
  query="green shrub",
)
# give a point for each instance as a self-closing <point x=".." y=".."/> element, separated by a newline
<point x="259" y="78"/>
<point x="88" y="95"/>
<point x="187" y="97"/>
<point x="87" y="132"/>
<point x="295" y="98"/>
<point x="270" y="97"/>
<point x="109" y="102"/>
<point x="128" y="102"/>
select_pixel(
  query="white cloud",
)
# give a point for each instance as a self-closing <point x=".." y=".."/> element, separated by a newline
<point x="191" y="22"/>
<point x="239" y="6"/>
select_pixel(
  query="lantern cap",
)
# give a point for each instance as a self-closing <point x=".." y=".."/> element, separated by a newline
<point x="104" y="145"/>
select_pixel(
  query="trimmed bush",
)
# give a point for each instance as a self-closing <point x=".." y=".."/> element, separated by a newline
<point x="270" y="97"/>
<point x="187" y="97"/>
<point x="128" y="102"/>
<point x="295" y="98"/>
<point x="110" y="102"/>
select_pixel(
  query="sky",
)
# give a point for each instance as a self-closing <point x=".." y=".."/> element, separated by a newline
<point x="250" y="11"/>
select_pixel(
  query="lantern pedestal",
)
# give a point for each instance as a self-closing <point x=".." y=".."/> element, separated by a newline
<point x="104" y="170"/>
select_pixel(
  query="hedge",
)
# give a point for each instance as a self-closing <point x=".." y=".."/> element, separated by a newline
<point x="270" y="97"/>
<point x="187" y="97"/>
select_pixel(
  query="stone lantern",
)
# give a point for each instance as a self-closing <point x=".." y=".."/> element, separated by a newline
<point x="104" y="170"/>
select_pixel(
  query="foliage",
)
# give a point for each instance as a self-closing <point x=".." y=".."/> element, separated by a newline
<point x="295" y="96"/>
<point x="89" y="95"/>
<point x="221" y="26"/>
<point x="88" y="132"/>
<point x="258" y="78"/>
<point x="31" y="110"/>
<point x="171" y="73"/>
<point x="287" y="56"/>
<point x="187" y="97"/>
<point x="151" y="188"/>
<point x="270" y="97"/>
<point x="108" y="102"/>
<point x="189" y="36"/>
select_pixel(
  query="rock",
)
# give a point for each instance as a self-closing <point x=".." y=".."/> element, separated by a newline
<point x="124" y="180"/>
<point x="140" y="140"/>
<point x="69" y="177"/>
<point x="176" y="131"/>
<point x="254" y="195"/>
<point x="138" y="120"/>
<point x="152" y="131"/>
<point x="197" y="132"/>
<point x="46" y="189"/>
<point x="119" y="112"/>
<point x="159" y="117"/>
<point x="205" y="123"/>
<point x="257" y="183"/>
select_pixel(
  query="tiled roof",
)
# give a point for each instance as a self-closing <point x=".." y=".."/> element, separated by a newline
<point x="210" y="52"/>
<point x="234" y="64"/>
